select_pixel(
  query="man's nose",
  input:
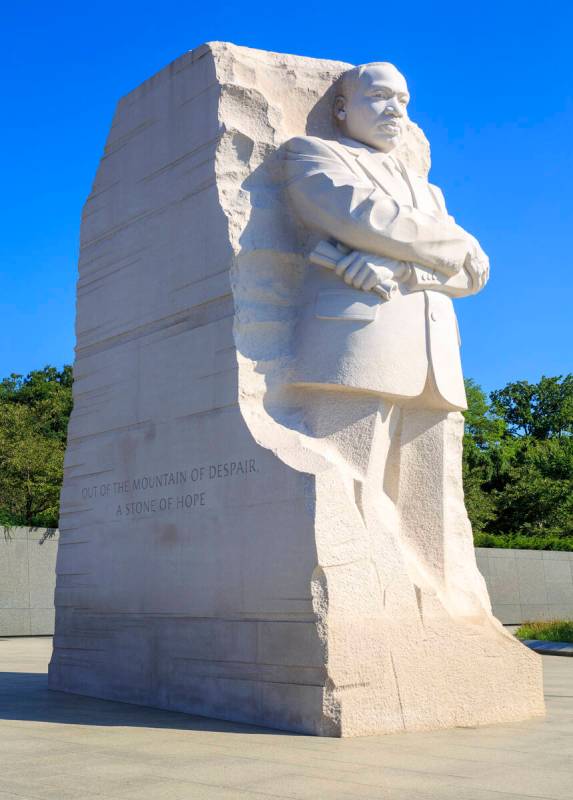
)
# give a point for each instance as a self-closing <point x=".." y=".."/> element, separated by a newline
<point x="393" y="107"/>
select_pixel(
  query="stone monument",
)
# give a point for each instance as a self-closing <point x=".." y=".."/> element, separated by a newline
<point x="262" y="514"/>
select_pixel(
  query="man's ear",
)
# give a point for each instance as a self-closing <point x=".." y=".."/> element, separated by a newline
<point x="340" y="108"/>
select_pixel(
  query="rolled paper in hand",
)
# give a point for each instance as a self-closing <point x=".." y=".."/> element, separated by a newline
<point x="327" y="255"/>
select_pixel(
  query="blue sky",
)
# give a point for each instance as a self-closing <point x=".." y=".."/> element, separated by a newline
<point x="491" y="85"/>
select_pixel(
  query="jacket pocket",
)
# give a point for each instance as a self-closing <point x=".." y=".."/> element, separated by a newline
<point x="351" y="304"/>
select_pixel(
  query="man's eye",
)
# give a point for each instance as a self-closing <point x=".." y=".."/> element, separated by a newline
<point x="384" y="95"/>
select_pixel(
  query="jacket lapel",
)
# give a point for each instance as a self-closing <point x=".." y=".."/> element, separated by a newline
<point x="425" y="199"/>
<point x="381" y="173"/>
<point x="365" y="162"/>
<point x="376" y="172"/>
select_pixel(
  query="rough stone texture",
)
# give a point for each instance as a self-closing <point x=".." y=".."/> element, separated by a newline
<point x="214" y="555"/>
<point x="27" y="578"/>
<point x="524" y="585"/>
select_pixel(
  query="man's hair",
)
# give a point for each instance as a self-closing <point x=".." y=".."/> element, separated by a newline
<point x="348" y="81"/>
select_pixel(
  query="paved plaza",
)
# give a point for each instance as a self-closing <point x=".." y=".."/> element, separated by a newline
<point x="55" y="746"/>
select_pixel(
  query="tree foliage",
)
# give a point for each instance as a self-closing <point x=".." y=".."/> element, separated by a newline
<point x="538" y="410"/>
<point x="518" y="463"/>
<point x="34" y="413"/>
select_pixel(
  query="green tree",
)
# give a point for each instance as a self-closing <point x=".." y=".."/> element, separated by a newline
<point x="537" y="497"/>
<point x="482" y="435"/>
<point x="34" y="413"/>
<point x="482" y="425"/>
<point x="540" y="410"/>
<point x="518" y="462"/>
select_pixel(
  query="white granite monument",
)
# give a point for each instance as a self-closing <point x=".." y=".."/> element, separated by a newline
<point x="262" y="514"/>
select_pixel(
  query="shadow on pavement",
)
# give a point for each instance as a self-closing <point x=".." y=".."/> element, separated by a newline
<point x="25" y="696"/>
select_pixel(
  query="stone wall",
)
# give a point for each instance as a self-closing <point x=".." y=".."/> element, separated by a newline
<point x="27" y="579"/>
<point x="528" y="584"/>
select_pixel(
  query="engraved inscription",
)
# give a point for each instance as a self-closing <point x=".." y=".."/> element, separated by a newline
<point x="185" y="492"/>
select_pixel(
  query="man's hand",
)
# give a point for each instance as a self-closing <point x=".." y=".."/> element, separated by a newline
<point x="369" y="273"/>
<point x="477" y="265"/>
<point x="361" y="270"/>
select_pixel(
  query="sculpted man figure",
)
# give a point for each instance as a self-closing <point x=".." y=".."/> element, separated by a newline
<point x="378" y="330"/>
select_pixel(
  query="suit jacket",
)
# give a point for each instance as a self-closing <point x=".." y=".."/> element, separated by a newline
<point x="347" y="192"/>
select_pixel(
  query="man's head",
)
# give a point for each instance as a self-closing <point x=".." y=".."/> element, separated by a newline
<point x="370" y="105"/>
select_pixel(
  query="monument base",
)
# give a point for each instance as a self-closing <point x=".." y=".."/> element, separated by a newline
<point x="272" y="673"/>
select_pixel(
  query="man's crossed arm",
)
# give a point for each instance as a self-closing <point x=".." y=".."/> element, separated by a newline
<point x="382" y="275"/>
<point x="332" y="199"/>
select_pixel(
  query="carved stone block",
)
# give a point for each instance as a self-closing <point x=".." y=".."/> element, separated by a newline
<point x="233" y="543"/>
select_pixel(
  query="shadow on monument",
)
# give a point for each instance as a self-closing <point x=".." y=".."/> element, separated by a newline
<point x="25" y="697"/>
<point x="271" y="271"/>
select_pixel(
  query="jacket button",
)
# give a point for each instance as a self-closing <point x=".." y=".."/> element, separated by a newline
<point x="433" y="316"/>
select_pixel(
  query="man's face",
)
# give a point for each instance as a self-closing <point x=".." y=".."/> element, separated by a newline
<point x="375" y="111"/>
